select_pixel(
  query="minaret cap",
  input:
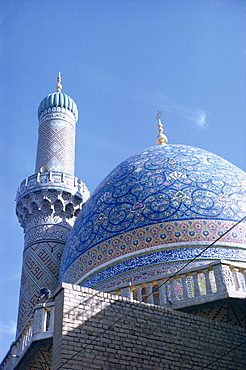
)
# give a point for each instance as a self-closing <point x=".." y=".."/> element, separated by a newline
<point x="57" y="100"/>
<point x="59" y="85"/>
<point x="161" y="138"/>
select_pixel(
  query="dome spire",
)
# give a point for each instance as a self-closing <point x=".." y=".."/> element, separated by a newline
<point x="59" y="85"/>
<point x="161" y="138"/>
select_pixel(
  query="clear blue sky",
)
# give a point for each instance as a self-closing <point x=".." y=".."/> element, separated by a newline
<point x="121" y="61"/>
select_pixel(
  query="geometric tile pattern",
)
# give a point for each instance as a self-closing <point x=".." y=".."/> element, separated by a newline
<point x="47" y="216"/>
<point x="40" y="357"/>
<point x="46" y="210"/>
<point x="162" y="235"/>
<point x="40" y="269"/>
<point x="49" y="201"/>
<point x="159" y="206"/>
<point x="56" y="146"/>
<point x="231" y="311"/>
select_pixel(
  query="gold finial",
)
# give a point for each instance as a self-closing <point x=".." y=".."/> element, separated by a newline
<point x="161" y="138"/>
<point x="59" y="85"/>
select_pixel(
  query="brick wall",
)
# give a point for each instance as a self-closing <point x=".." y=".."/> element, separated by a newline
<point x="95" y="330"/>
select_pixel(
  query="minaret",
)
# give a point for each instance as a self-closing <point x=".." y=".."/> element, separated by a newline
<point x="49" y="201"/>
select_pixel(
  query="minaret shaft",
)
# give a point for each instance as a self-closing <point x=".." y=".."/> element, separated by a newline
<point x="56" y="143"/>
<point x="47" y="206"/>
<point x="49" y="201"/>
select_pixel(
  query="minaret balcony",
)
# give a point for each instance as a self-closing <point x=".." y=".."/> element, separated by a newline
<point x="52" y="180"/>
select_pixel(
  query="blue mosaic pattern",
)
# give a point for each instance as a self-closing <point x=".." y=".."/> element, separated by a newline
<point x="145" y="273"/>
<point x="133" y="264"/>
<point x="41" y="263"/>
<point x="163" y="195"/>
<point x="56" y="143"/>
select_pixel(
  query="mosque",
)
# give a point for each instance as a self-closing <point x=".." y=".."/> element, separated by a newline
<point x="147" y="272"/>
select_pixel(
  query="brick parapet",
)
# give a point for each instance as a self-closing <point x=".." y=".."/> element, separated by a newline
<point x="121" y="333"/>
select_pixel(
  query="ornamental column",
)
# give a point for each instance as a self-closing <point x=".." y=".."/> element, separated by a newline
<point x="48" y="202"/>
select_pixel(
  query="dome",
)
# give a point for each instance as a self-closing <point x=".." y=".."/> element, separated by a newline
<point x="153" y="212"/>
<point x="58" y="99"/>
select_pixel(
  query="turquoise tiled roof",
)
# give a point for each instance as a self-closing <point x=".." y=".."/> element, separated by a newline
<point x="58" y="99"/>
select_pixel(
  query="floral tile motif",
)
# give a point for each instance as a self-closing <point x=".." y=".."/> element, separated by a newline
<point x="166" y="196"/>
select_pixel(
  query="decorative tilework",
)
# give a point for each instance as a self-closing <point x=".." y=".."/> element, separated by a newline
<point x="133" y="264"/>
<point x="48" y="202"/>
<point x="167" y="235"/>
<point x="225" y="311"/>
<point x="58" y="102"/>
<point x="145" y="273"/>
<point x="35" y="184"/>
<point x="168" y="196"/>
<point x="40" y="358"/>
<point x="56" y="146"/>
<point x="47" y="216"/>
<point x="40" y="268"/>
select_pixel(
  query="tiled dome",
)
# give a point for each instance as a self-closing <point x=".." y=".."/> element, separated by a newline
<point x="154" y="211"/>
<point x="55" y="100"/>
